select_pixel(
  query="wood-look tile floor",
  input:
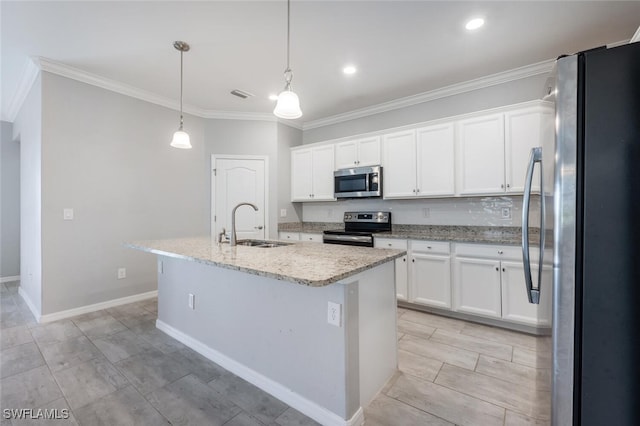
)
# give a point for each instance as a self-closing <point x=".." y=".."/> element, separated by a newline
<point x="454" y="372"/>
<point x="113" y="367"/>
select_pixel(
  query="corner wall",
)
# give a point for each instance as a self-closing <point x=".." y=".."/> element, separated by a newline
<point x="107" y="156"/>
<point x="9" y="202"/>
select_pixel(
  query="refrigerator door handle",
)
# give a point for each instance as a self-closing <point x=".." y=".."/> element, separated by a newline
<point x="533" y="293"/>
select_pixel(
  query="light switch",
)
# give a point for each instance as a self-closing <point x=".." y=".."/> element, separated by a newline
<point x="283" y="212"/>
<point x="67" y="214"/>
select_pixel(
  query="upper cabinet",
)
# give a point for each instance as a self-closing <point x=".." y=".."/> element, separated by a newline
<point x="419" y="163"/>
<point x="493" y="150"/>
<point x="484" y="153"/>
<point x="312" y="174"/>
<point x="358" y="153"/>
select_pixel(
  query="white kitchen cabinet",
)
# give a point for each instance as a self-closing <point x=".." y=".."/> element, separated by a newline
<point x="312" y="174"/>
<point x="358" y="153"/>
<point x="476" y="286"/>
<point x="489" y="280"/>
<point x="402" y="270"/>
<point x="435" y="156"/>
<point x="309" y="237"/>
<point x="493" y="150"/>
<point x="419" y="163"/>
<point x="291" y="236"/>
<point x="480" y="155"/>
<point x="430" y="274"/>
<point x="515" y="303"/>
<point x="399" y="162"/>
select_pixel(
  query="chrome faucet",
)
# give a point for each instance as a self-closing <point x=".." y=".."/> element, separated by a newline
<point x="233" y="221"/>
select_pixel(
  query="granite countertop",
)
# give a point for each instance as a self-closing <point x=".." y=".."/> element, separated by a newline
<point x="310" y="264"/>
<point x="510" y="235"/>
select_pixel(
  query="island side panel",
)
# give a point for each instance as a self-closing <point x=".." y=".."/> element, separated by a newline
<point x="274" y="329"/>
<point x="377" y="332"/>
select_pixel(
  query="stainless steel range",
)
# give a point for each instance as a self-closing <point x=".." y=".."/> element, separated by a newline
<point x="359" y="228"/>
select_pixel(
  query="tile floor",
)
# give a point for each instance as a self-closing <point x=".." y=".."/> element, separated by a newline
<point x="113" y="367"/>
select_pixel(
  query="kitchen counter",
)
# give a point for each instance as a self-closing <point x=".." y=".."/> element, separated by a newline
<point x="309" y="345"/>
<point x="310" y="264"/>
<point x="511" y="235"/>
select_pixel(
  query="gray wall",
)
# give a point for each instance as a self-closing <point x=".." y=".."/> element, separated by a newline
<point x="288" y="137"/>
<point x="9" y="202"/>
<point x="107" y="156"/>
<point x="512" y="92"/>
<point x="27" y="128"/>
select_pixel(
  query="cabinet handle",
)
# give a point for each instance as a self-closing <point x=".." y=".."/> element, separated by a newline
<point x="389" y="244"/>
<point x="418" y="190"/>
<point x="497" y="269"/>
<point x="502" y="186"/>
<point x="504" y="270"/>
<point x="404" y="259"/>
<point x="429" y="247"/>
<point x="508" y="185"/>
<point x="499" y="251"/>
<point x="413" y="260"/>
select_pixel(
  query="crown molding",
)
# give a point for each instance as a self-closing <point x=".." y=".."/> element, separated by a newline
<point x="27" y="79"/>
<point x="454" y="89"/>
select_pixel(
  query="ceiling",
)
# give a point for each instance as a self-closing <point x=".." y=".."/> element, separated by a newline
<point x="400" y="48"/>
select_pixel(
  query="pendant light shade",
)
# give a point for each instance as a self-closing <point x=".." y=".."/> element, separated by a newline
<point x="288" y="106"/>
<point x="181" y="138"/>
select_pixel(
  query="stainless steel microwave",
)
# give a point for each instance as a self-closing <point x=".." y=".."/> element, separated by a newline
<point x="358" y="182"/>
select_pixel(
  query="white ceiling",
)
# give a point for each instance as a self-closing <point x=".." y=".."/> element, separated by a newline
<point x="400" y="48"/>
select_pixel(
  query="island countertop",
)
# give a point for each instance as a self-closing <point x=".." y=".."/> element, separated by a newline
<point x="310" y="264"/>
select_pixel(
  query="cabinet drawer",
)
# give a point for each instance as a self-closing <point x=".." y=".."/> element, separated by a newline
<point x="294" y="236"/>
<point x="316" y="238"/>
<point x="438" y="247"/>
<point x="489" y="251"/>
<point x="390" y="243"/>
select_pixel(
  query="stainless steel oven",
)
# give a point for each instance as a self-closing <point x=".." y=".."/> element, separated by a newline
<point x="358" y="182"/>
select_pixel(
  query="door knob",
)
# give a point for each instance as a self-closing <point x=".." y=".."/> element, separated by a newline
<point x="259" y="227"/>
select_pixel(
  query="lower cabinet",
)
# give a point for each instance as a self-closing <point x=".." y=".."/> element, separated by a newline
<point x="430" y="276"/>
<point x="293" y="236"/>
<point x="402" y="271"/>
<point x="300" y="236"/>
<point x="489" y="280"/>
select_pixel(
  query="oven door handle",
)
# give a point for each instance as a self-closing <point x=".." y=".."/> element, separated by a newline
<point x="347" y="238"/>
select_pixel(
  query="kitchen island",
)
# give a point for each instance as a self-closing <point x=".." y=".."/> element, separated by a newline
<point x="312" y="324"/>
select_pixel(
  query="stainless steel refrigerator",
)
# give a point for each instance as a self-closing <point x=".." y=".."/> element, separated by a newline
<point x="595" y="217"/>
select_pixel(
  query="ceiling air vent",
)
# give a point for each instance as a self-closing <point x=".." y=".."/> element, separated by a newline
<point x="241" y="94"/>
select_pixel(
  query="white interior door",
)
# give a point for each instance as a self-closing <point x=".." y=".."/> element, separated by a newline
<point x="239" y="180"/>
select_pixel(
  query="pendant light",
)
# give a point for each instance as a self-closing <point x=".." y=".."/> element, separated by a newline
<point x="288" y="105"/>
<point x="180" y="137"/>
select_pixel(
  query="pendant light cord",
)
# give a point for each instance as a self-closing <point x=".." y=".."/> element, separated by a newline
<point x="181" y="119"/>
<point x="288" y="32"/>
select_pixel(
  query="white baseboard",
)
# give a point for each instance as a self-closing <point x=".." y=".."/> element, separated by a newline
<point x="29" y="303"/>
<point x="97" y="306"/>
<point x="9" y="279"/>
<point x="289" y="397"/>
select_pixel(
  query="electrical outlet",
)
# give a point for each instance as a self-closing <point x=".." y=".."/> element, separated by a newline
<point x="67" y="214"/>
<point x="122" y="273"/>
<point x="426" y="212"/>
<point x="192" y="301"/>
<point x="283" y="212"/>
<point x="334" y="314"/>
<point x="506" y="212"/>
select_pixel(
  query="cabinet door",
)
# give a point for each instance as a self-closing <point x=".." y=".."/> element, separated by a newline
<point x="523" y="131"/>
<point x="399" y="162"/>
<point x="369" y="151"/>
<point x="436" y="161"/>
<point x="346" y="154"/>
<point x="431" y="280"/>
<point x="480" y="155"/>
<point x="293" y="236"/>
<point x="323" y="160"/>
<point x="314" y="238"/>
<point x="476" y="287"/>
<point x="301" y="175"/>
<point x="402" y="279"/>
<point x="515" y="304"/>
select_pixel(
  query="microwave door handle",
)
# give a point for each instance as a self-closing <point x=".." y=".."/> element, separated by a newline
<point x="367" y="180"/>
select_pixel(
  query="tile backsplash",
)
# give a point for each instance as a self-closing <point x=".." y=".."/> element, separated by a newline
<point x="471" y="211"/>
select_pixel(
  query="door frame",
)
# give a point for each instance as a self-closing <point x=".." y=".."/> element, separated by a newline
<point x="215" y="157"/>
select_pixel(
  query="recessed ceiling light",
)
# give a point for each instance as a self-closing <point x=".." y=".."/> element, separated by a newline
<point x="349" y="69"/>
<point x="273" y="97"/>
<point x="474" y="24"/>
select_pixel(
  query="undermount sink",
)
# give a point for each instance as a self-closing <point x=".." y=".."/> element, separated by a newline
<point x="261" y="243"/>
